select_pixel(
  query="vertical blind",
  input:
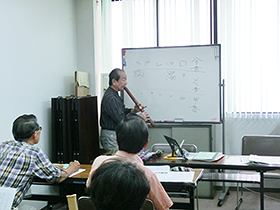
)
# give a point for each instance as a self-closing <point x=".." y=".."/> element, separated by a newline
<point x="248" y="32"/>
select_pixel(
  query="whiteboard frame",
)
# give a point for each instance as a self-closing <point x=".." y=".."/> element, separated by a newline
<point x="220" y="85"/>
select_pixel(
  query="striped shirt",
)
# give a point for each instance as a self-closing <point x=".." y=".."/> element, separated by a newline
<point x="20" y="162"/>
<point x="112" y="109"/>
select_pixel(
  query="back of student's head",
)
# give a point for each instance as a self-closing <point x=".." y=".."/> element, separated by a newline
<point x="132" y="133"/>
<point x="24" y="126"/>
<point x="118" y="185"/>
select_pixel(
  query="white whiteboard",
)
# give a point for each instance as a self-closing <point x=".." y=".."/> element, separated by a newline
<point x="177" y="84"/>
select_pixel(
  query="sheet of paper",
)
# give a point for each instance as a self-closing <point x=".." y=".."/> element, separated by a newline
<point x="160" y="169"/>
<point x="7" y="197"/>
<point x="269" y="160"/>
<point x="178" y="176"/>
<point x="164" y="174"/>
<point x="77" y="172"/>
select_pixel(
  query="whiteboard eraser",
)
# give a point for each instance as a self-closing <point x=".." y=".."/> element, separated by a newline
<point x="179" y="120"/>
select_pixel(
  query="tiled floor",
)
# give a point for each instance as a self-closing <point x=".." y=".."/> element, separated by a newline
<point x="250" y="202"/>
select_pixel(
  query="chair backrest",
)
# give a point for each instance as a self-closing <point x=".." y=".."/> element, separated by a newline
<point x="165" y="147"/>
<point x="72" y="202"/>
<point x="268" y="145"/>
<point x="148" y="205"/>
<point x="85" y="203"/>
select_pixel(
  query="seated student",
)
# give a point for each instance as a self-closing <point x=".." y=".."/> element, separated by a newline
<point x="21" y="161"/>
<point x="118" y="185"/>
<point x="132" y="136"/>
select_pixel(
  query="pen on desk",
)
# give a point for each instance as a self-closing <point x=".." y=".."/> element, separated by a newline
<point x="182" y="149"/>
<point x="182" y="143"/>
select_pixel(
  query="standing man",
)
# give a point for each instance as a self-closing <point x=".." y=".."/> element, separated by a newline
<point x="21" y="161"/>
<point x="113" y="110"/>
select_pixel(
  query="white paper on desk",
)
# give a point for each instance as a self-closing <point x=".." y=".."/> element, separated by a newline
<point x="269" y="160"/>
<point x="178" y="176"/>
<point x="7" y="197"/>
<point x="77" y="172"/>
<point x="165" y="175"/>
<point x="160" y="169"/>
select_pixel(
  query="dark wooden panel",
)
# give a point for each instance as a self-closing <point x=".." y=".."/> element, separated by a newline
<point x="79" y="134"/>
<point x="59" y="130"/>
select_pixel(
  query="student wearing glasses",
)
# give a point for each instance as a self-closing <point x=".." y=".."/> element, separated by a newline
<point x="21" y="160"/>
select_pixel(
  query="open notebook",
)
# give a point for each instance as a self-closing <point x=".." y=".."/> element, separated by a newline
<point x="66" y="165"/>
<point x="208" y="156"/>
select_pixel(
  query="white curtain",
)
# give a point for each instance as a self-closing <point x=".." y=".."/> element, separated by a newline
<point x="184" y="22"/>
<point x="132" y="24"/>
<point x="249" y="34"/>
<point x="248" y="31"/>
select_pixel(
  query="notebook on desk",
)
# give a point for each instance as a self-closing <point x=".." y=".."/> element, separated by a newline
<point x="208" y="156"/>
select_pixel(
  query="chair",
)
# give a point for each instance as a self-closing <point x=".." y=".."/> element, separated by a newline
<point x="165" y="148"/>
<point x="148" y="205"/>
<point x="266" y="145"/>
<point x="72" y="202"/>
<point x="262" y="145"/>
<point x="85" y="203"/>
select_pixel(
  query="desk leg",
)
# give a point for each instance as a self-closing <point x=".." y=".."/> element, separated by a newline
<point x="192" y="198"/>
<point x="261" y="191"/>
<point x="223" y="194"/>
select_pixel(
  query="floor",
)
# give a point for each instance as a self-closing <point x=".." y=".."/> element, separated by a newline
<point x="250" y="202"/>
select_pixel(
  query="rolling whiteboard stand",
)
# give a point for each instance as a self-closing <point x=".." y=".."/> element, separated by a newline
<point x="225" y="191"/>
<point x="179" y="85"/>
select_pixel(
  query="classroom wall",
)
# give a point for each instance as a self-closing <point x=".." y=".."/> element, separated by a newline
<point x="43" y="42"/>
<point x="84" y="30"/>
<point x="235" y="128"/>
<point x="38" y="60"/>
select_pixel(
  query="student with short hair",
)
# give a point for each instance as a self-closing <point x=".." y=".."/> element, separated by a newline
<point x="21" y="161"/>
<point x="132" y="136"/>
<point x="118" y="185"/>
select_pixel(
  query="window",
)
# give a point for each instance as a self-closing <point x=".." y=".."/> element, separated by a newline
<point x="248" y="32"/>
